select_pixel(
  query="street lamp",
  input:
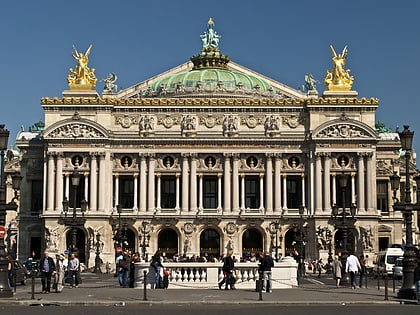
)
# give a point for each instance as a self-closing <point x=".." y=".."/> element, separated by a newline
<point x="300" y="243"/>
<point x="342" y="221"/>
<point x="145" y="238"/>
<point x="118" y="239"/>
<point x="98" y="249"/>
<point x="74" y="222"/>
<point x="407" y="291"/>
<point x="5" y="290"/>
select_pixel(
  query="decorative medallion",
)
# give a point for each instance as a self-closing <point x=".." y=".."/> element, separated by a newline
<point x="188" y="228"/>
<point x="126" y="121"/>
<point x="292" y="121"/>
<point x="231" y="228"/>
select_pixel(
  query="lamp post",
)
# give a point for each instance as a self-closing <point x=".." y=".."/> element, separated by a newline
<point x="118" y="242"/>
<point x="343" y="223"/>
<point x="74" y="222"/>
<point x="300" y="243"/>
<point x="98" y="249"/>
<point x="5" y="290"/>
<point x="407" y="291"/>
<point x="145" y="239"/>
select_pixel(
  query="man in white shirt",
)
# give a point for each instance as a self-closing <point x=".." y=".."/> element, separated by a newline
<point x="352" y="266"/>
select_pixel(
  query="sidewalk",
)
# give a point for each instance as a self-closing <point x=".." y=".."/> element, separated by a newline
<point x="104" y="290"/>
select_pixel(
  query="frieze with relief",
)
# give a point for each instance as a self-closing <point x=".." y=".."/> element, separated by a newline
<point x="126" y="121"/>
<point x="147" y="125"/>
<point x="292" y="121"/>
<point x="252" y="121"/>
<point x="168" y="121"/>
<point x="75" y="130"/>
<point x="210" y="121"/>
<point x="383" y="168"/>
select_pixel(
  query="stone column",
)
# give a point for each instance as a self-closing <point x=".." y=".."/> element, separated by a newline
<point x="67" y="175"/>
<point x="334" y="190"/>
<point x="235" y="183"/>
<point x="135" y="188"/>
<point x="102" y="182"/>
<point x="93" y="182"/>
<point x="327" y="175"/>
<point x="262" y="192"/>
<point x="353" y="188"/>
<point x="361" y="181"/>
<point x="143" y="183"/>
<point x="177" y="192"/>
<point x="318" y="185"/>
<point x="51" y="181"/>
<point x="193" y="180"/>
<point x="185" y="181"/>
<point x="60" y="185"/>
<point x="269" y="184"/>
<point x="219" y="191"/>
<point x="284" y="192"/>
<point x="242" y="191"/>
<point x="151" y="183"/>
<point x="200" y="191"/>
<point x="371" y="176"/>
<point x="158" y="193"/>
<point x="277" y="184"/>
<point x="227" y="181"/>
<point x="116" y="189"/>
<point x="303" y="190"/>
<point x="86" y="192"/>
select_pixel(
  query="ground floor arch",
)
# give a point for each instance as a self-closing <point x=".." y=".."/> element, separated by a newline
<point x="209" y="243"/>
<point x="81" y="249"/>
<point x="252" y="243"/>
<point x="168" y="242"/>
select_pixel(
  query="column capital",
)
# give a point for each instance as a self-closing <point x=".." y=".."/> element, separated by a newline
<point x="318" y="155"/>
<point x="228" y="154"/>
<point x="60" y="155"/>
<point x="135" y="175"/>
<point x="236" y="156"/>
<point x="261" y="175"/>
<point x="93" y="155"/>
<point x="51" y="154"/>
<point x="269" y="155"/>
<point x="102" y="155"/>
<point x="278" y="156"/>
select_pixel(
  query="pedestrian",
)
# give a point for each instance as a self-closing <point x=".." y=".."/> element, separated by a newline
<point x="417" y="279"/>
<point x="74" y="271"/>
<point x="352" y="266"/>
<point x="362" y="274"/>
<point x="157" y="266"/>
<point x="59" y="273"/>
<point x="123" y="262"/>
<point x="9" y="270"/>
<point x="266" y="264"/>
<point x="227" y="268"/>
<point x="47" y="266"/>
<point x="337" y="267"/>
<point x="134" y="258"/>
<point x="319" y="267"/>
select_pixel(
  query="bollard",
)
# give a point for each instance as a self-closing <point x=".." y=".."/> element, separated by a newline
<point x="366" y="280"/>
<point x="14" y="281"/>
<point x="386" y="287"/>
<point x="145" y="285"/>
<point x="33" y="284"/>
<point x="260" y="289"/>
<point x="393" y="282"/>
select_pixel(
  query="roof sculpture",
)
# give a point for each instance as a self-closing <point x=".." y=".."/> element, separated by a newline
<point x="338" y="79"/>
<point x="81" y="78"/>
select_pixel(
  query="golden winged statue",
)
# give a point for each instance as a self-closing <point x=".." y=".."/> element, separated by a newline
<point x="338" y="79"/>
<point x="81" y="78"/>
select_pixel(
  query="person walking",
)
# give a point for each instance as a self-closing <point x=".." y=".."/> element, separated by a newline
<point x="336" y="267"/>
<point x="156" y="264"/>
<point x="266" y="264"/>
<point x="319" y="267"/>
<point x="362" y="274"/>
<point x="123" y="262"/>
<point x="228" y="265"/>
<point x="59" y="273"/>
<point x="47" y="266"/>
<point x="74" y="271"/>
<point x="352" y="266"/>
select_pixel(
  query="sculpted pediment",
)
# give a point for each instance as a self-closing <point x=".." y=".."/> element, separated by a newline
<point x="344" y="129"/>
<point x="75" y="128"/>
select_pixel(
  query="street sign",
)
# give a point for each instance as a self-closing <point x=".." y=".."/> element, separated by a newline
<point x="2" y="231"/>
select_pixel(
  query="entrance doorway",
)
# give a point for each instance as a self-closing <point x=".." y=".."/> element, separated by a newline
<point x="252" y="243"/>
<point x="80" y="244"/>
<point x="168" y="242"/>
<point x="210" y="244"/>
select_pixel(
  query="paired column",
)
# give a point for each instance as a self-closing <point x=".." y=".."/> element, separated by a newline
<point x="158" y="197"/>
<point x="227" y="180"/>
<point x="327" y="175"/>
<point x="318" y="185"/>
<point x="360" y="181"/>
<point x="185" y="181"/>
<point x="277" y="184"/>
<point x="102" y="182"/>
<point x="143" y="183"/>
<point x="235" y="183"/>
<point x="135" y="179"/>
<point x="193" y="179"/>
<point x="269" y="184"/>
<point x="59" y="180"/>
<point x="219" y="191"/>
<point x="151" y="183"/>
<point x="93" y="182"/>
<point x="51" y="181"/>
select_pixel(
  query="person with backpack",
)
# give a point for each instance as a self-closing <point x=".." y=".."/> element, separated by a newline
<point x="228" y="278"/>
<point x="123" y="268"/>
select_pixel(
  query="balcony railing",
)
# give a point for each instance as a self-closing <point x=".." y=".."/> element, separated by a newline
<point x="187" y="275"/>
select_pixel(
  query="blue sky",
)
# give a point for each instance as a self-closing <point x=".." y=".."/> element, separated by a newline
<point x="280" y="39"/>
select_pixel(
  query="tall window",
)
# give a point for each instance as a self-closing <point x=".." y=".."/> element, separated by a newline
<point x="126" y="197"/>
<point x="210" y="192"/>
<point x="36" y="197"/>
<point x="168" y="192"/>
<point x="252" y="192"/>
<point x="294" y="192"/>
<point x="382" y="196"/>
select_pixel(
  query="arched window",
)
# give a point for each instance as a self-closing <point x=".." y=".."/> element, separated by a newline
<point x="168" y="242"/>
<point x="252" y="243"/>
<point x="210" y="243"/>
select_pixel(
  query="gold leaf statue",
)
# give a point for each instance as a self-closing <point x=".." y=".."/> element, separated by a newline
<point x="338" y="79"/>
<point x="82" y="78"/>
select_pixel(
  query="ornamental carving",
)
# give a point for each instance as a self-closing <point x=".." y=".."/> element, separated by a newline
<point x="210" y="121"/>
<point x="383" y="168"/>
<point x="293" y="121"/>
<point x="75" y="130"/>
<point x="231" y="228"/>
<point x="230" y="125"/>
<point x="126" y="121"/>
<point x="168" y="121"/>
<point x="188" y="228"/>
<point x="343" y="131"/>
<point x="251" y="121"/>
<point x="146" y="125"/>
<point x="188" y="125"/>
<point x="272" y="125"/>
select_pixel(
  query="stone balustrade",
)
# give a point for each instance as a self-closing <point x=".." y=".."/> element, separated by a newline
<point x="187" y="275"/>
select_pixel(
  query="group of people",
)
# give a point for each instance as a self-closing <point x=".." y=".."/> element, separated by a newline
<point x="59" y="271"/>
<point x="266" y="262"/>
<point x="354" y="266"/>
<point x="125" y="267"/>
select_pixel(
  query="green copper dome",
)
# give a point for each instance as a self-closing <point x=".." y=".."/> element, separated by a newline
<point x="211" y="79"/>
